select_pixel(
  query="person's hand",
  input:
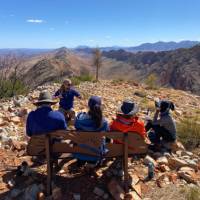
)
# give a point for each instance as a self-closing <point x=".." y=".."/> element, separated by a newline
<point x="60" y="96"/>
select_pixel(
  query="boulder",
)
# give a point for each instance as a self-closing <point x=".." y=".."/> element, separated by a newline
<point x="188" y="174"/>
<point x="162" y="160"/>
<point x="15" y="119"/>
<point x="173" y="177"/>
<point x="176" y="163"/>
<point x="164" y="168"/>
<point x="192" y="164"/>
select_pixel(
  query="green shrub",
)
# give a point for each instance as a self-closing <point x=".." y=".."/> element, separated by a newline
<point x="10" y="89"/>
<point x="152" y="81"/>
<point x="188" y="130"/>
<point x="76" y="80"/>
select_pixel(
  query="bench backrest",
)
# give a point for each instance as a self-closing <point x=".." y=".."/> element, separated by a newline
<point x="136" y="143"/>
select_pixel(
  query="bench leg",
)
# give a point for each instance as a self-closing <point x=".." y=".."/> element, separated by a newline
<point x="126" y="162"/>
<point x="49" y="165"/>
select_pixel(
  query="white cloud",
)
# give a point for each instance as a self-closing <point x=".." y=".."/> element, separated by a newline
<point x="37" y="21"/>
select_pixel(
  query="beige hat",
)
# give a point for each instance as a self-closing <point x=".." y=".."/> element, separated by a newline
<point x="45" y="97"/>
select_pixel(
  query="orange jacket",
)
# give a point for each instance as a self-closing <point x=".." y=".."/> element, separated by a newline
<point x="128" y="125"/>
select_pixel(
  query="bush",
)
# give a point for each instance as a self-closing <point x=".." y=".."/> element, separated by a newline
<point x="8" y="89"/>
<point x="152" y="81"/>
<point x="76" y="80"/>
<point x="188" y="130"/>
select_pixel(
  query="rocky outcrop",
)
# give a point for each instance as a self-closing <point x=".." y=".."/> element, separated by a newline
<point x="179" y="69"/>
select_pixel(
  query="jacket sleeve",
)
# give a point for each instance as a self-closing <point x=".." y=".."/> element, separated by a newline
<point x="28" y="123"/>
<point x="76" y="93"/>
<point x="63" y="124"/>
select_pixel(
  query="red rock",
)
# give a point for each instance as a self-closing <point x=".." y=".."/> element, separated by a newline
<point x="134" y="179"/>
<point x="188" y="174"/>
<point x="173" y="177"/>
<point x="137" y="188"/>
<point x="175" y="163"/>
<point x="164" y="168"/>
<point x="15" y="119"/>
<point x="18" y="145"/>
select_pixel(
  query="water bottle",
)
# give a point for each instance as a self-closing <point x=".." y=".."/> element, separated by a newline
<point x="151" y="170"/>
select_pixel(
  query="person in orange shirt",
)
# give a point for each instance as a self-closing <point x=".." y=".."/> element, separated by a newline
<point x="127" y="120"/>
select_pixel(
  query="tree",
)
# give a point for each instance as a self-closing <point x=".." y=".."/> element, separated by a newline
<point x="152" y="81"/>
<point x="11" y="82"/>
<point x="97" y="61"/>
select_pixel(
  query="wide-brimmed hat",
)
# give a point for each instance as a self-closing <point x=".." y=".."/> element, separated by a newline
<point x="45" y="97"/>
<point x="128" y="107"/>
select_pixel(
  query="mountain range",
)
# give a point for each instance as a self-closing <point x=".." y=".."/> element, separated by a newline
<point x="178" y="68"/>
<point x="158" y="46"/>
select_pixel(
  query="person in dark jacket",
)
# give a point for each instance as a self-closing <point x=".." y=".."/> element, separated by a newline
<point x="162" y="126"/>
<point x="93" y="120"/>
<point x="66" y="94"/>
<point x="44" y="119"/>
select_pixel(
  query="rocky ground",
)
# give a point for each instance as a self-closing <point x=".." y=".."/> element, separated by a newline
<point x="173" y="172"/>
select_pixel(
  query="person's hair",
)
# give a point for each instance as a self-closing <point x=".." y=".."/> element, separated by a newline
<point x="125" y="116"/>
<point x="96" y="114"/>
<point x="166" y="105"/>
<point x="62" y="87"/>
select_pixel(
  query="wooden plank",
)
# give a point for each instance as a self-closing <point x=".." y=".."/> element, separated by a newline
<point x="126" y="162"/>
<point x="81" y="134"/>
<point x="49" y="165"/>
<point x="114" y="149"/>
<point x="136" y="143"/>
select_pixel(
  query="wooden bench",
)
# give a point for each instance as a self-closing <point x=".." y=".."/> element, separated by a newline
<point x="131" y="144"/>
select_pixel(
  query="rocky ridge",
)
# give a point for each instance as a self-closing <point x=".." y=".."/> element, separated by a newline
<point x="179" y="169"/>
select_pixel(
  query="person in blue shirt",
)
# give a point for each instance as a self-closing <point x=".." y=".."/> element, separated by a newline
<point x="66" y="94"/>
<point x="44" y="119"/>
<point x="93" y="120"/>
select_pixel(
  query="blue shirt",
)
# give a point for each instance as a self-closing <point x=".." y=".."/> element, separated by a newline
<point x="84" y="122"/>
<point x="44" y="120"/>
<point x="67" y="100"/>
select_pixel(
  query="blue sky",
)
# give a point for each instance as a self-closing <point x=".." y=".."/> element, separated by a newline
<point x="56" y="23"/>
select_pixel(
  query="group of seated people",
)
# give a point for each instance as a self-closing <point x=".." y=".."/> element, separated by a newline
<point x="44" y="119"/>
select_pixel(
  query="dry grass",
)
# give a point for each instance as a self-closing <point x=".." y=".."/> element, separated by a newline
<point x="189" y="131"/>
